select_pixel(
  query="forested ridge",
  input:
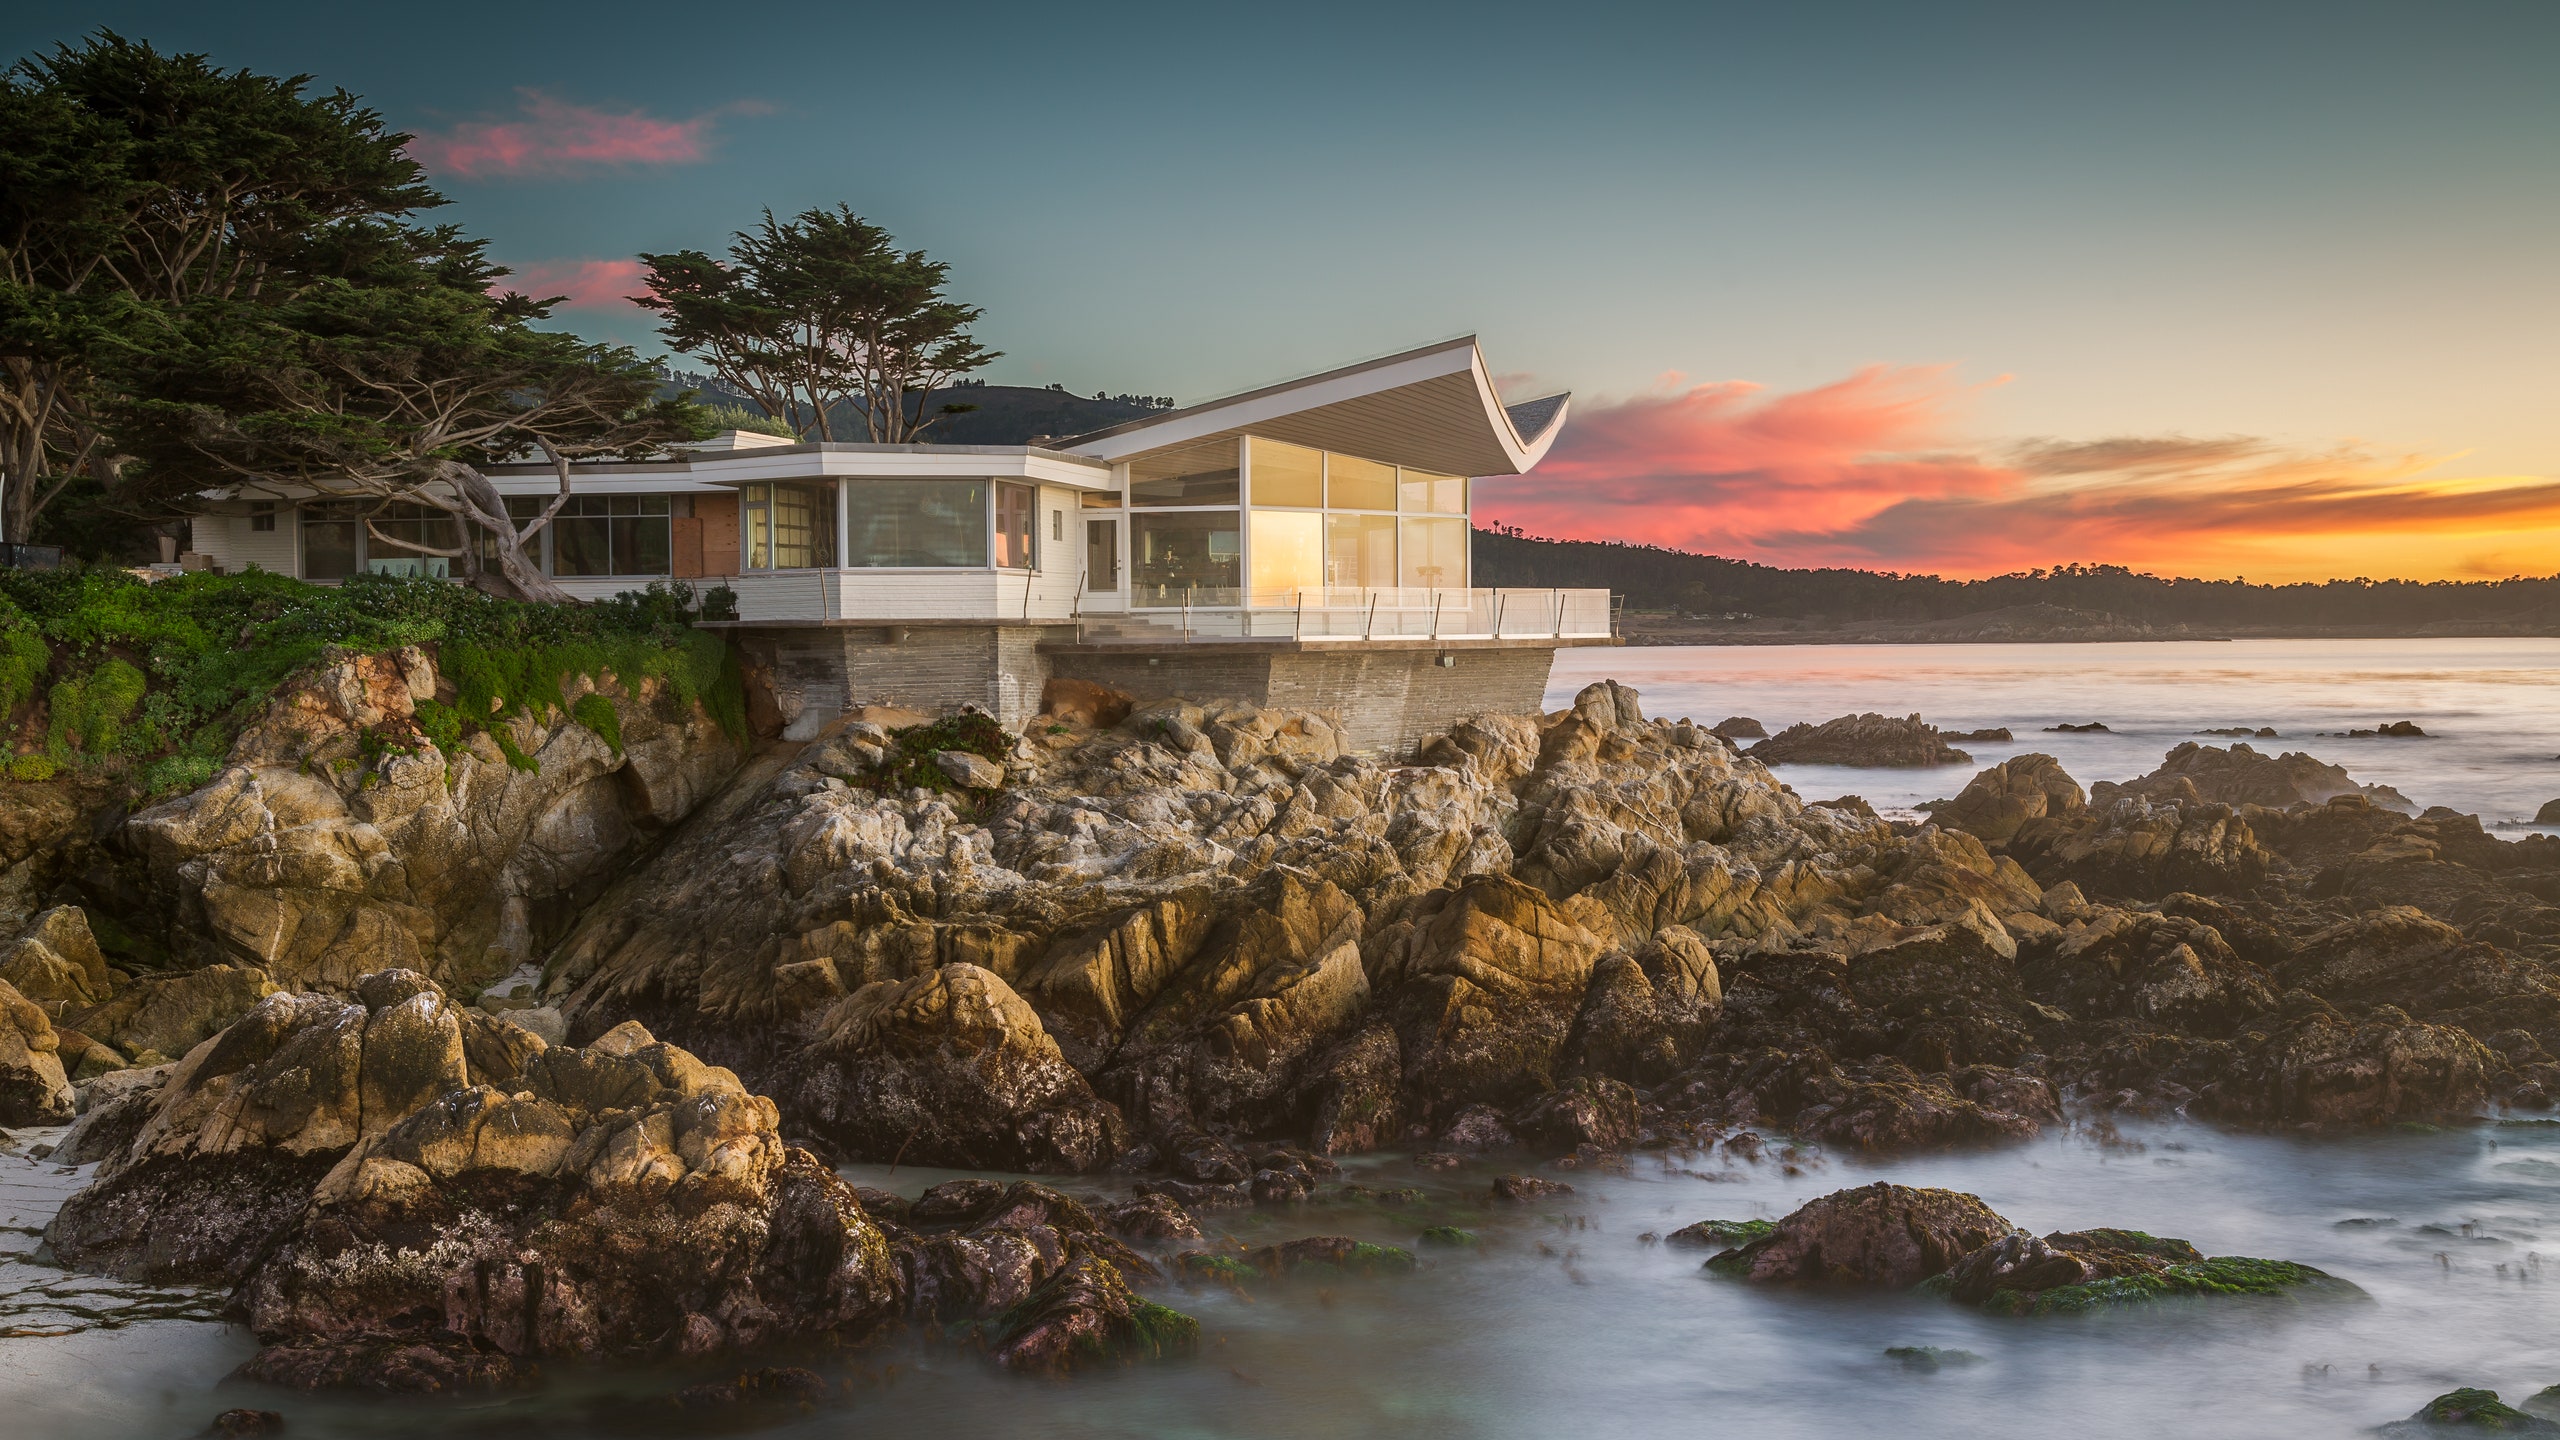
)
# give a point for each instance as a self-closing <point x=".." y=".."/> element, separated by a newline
<point x="1658" y="577"/>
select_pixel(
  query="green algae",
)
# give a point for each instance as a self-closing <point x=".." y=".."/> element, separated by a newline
<point x="1159" y="1331"/>
<point x="1930" y="1358"/>
<point x="2471" y="1409"/>
<point x="1450" y="1236"/>
<point x="1216" y="1269"/>
<point x="2216" y="1275"/>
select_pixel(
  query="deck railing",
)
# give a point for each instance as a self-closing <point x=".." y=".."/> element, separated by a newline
<point x="1329" y="614"/>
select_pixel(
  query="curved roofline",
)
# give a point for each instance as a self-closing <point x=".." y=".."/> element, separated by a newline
<point x="1387" y="373"/>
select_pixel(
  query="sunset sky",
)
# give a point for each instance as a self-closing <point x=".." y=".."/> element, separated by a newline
<point x="2268" y="289"/>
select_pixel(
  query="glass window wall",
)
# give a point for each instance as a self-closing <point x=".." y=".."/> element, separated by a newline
<point x="1359" y="551"/>
<point x="1102" y="554"/>
<point x="1290" y="475"/>
<point x="611" y="535"/>
<point x="1192" y="558"/>
<point x="788" y="527"/>
<point x="1435" y="553"/>
<point x="1429" y="494"/>
<point x="1015" y="546"/>
<point x="1203" y="474"/>
<point x="1288" y="553"/>
<point x="1355" y="484"/>
<point x="329" y="539"/>
<point x="921" y="524"/>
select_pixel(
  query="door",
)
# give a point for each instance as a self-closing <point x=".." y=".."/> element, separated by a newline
<point x="1102" y="554"/>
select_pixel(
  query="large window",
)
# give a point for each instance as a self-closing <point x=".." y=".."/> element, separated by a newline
<point x="1435" y="553"/>
<point x="918" y="523"/>
<point x="1286" y="474"/>
<point x="1202" y="474"/>
<point x="789" y="527"/>
<point x="612" y="535"/>
<point x="1359" y="550"/>
<point x="1102" y="554"/>
<point x="337" y="541"/>
<point x="1429" y="494"/>
<point x="1288" y="553"/>
<point x="1016" y="518"/>
<point x="1182" y="558"/>
<point x="1355" y="484"/>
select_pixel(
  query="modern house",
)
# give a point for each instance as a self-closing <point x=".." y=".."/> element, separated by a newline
<point x="1306" y="545"/>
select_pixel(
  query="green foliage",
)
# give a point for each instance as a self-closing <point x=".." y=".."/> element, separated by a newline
<point x="89" y="712"/>
<point x="167" y="672"/>
<point x="2218" y="1275"/>
<point x="595" y="711"/>
<point x="32" y="767"/>
<point x="821" y="320"/>
<point x="24" y="658"/>
<point x="910" y="765"/>
<point x="739" y="417"/>
<point x="1451" y="1237"/>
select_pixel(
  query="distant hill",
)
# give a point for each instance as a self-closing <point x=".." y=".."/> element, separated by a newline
<point x="1005" y="414"/>
<point x="1708" y="597"/>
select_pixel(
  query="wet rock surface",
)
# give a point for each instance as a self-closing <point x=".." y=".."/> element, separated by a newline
<point x="1868" y="739"/>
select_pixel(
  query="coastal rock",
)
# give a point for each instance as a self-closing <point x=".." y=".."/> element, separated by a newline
<point x="1085" y="1316"/>
<point x="2324" y="1069"/>
<point x="1741" y="727"/>
<point x="2470" y="1409"/>
<point x="2242" y="776"/>
<point x="321" y="854"/>
<point x="113" y="1110"/>
<point x="394" y="1223"/>
<point x="950" y="1068"/>
<point x="33" y="1089"/>
<point x="55" y="962"/>
<point x="1866" y="740"/>
<point x="169" y="1015"/>
<point x="1883" y="1235"/>
<point x="2139" y="848"/>
<point x="2002" y="799"/>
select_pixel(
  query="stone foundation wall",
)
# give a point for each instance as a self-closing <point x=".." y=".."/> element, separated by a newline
<point x="818" y="674"/>
<point x="1388" y="699"/>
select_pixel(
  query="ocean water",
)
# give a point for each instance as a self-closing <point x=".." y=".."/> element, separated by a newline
<point x="2490" y="707"/>
<point x="1571" y="1320"/>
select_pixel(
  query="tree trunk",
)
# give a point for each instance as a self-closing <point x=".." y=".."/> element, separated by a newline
<point x="516" y="577"/>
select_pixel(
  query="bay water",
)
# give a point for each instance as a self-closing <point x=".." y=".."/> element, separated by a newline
<point x="1572" y="1317"/>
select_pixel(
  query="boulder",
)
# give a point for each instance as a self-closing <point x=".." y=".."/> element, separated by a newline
<point x="1883" y="1235"/>
<point x="169" y="1015"/>
<point x="2323" y="1069"/>
<point x="1085" y="1316"/>
<point x="56" y="962"/>
<point x="1741" y="727"/>
<point x="1088" y="703"/>
<point x="970" y="772"/>
<point x="1862" y="740"/>
<point x="2002" y="799"/>
<point x="950" y="1068"/>
<point x="2243" y="776"/>
<point x="33" y="1089"/>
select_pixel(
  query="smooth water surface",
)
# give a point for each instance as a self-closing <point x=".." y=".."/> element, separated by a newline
<point x="1571" y="1321"/>
<point x="2491" y="707"/>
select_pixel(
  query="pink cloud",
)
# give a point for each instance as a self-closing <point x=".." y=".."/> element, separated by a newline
<point x="1873" y="472"/>
<point x="587" y="284"/>
<point x="556" y="137"/>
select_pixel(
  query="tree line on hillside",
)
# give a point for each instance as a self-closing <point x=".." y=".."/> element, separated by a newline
<point x="1660" y="578"/>
<point x="215" y="282"/>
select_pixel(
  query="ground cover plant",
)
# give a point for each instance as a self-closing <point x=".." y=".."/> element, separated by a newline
<point x="149" y="683"/>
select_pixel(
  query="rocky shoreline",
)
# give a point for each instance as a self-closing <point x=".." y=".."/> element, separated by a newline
<point x="1201" y="950"/>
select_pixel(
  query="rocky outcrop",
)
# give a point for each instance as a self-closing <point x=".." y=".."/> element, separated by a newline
<point x="1891" y="1236"/>
<point x="1868" y="739"/>
<point x="409" y="1195"/>
<point x="2242" y="776"/>
<point x="325" y="850"/>
<point x="2001" y="800"/>
<point x="33" y="1088"/>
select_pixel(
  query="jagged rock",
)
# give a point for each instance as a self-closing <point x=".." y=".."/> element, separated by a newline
<point x="2324" y="1069"/>
<point x="1151" y="1217"/>
<point x="1741" y="727"/>
<point x="1084" y="702"/>
<point x="1519" y="1189"/>
<point x="2242" y="776"/>
<point x="2167" y="970"/>
<point x="394" y="1224"/>
<point x="1884" y="1235"/>
<point x="950" y="1068"/>
<point x="56" y="962"/>
<point x="1083" y="1316"/>
<point x="33" y="1089"/>
<point x="970" y="772"/>
<point x="2005" y="797"/>
<point x="1866" y="740"/>
<point x="113" y="1110"/>
<point x="169" y="1015"/>
<point x="2139" y="848"/>
<point x="323" y="855"/>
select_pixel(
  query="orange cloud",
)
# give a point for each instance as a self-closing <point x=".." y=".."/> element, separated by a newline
<point x="554" y="137"/>
<point x="581" y="284"/>
<point x="1869" y="472"/>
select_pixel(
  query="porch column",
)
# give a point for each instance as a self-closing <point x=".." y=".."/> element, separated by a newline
<point x="844" y="524"/>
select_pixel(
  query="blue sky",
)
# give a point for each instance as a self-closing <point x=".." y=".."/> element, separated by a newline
<point x="2327" y="226"/>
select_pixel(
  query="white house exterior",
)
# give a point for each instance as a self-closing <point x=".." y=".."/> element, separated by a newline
<point x="1330" y="513"/>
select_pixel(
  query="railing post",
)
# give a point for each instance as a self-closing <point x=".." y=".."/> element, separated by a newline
<point x="1369" y="622"/>
<point x="1300" y="632"/>
<point x="1559" y="615"/>
<point x="1501" y="603"/>
<point x="1435" y="614"/>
